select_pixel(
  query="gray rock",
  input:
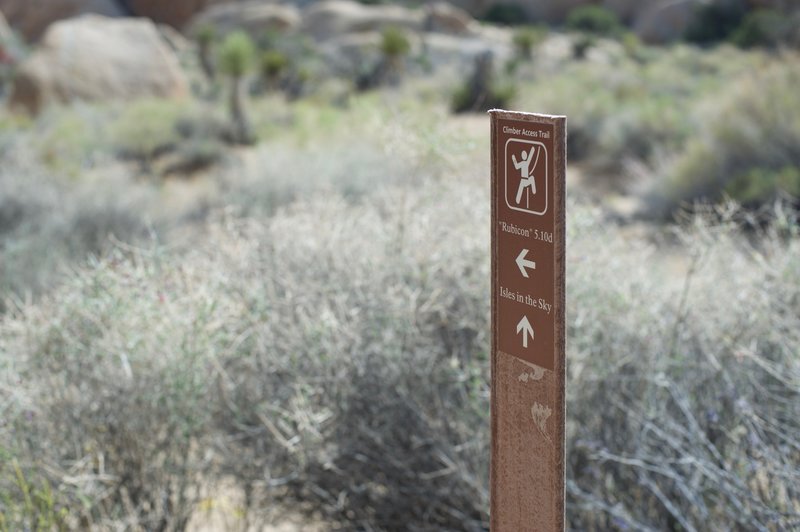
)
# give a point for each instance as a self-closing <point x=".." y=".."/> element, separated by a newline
<point x="665" y="21"/>
<point x="331" y="18"/>
<point x="176" y="13"/>
<point x="98" y="58"/>
<point x="5" y="30"/>
<point x="442" y="17"/>
<point x="255" y="17"/>
<point x="32" y="17"/>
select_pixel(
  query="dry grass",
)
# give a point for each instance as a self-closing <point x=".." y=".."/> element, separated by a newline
<point x="336" y="356"/>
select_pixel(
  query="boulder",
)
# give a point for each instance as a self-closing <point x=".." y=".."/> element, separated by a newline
<point x="331" y="18"/>
<point x="253" y="17"/>
<point x="98" y="58"/>
<point x="32" y="17"/>
<point x="442" y="17"/>
<point x="5" y="30"/>
<point x="448" y="54"/>
<point x="666" y="21"/>
<point x="176" y="13"/>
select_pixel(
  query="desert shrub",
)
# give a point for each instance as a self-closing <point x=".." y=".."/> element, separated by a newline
<point x="762" y="185"/>
<point x="329" y="153"/>
<point x="48" y="223"/>
<point x="164" y="137"/>
<point x="748" y="146"/>
<point x="526" y="38"/>
<point x="641" y="110"/>
<point x="582" y="45"/>
<point x="70" y="140"/>
<point x="683" y="390"/>
<point x="763" y="27"/>
<point x="205" y="35"/>
<point x="482" y="91"/>
<point x="593" y="19"/>
<point x="26" y="503"/>
<point x="634" y="47"/>
<point x="173" y="376"/>
<point x="147" y="129"/>
<point x="507" y="14"/>
<point x="394" y="48"/>
<point x="394" y="42"/>
<point x="121" y="416"/>
<point x="273" y="66"/>
<point x="369" y="403"/>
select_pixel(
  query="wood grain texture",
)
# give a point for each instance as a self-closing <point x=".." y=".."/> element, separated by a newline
<point x="528" y="450"/>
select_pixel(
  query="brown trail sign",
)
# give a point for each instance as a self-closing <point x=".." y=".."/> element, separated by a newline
<point x="528" y="329"/>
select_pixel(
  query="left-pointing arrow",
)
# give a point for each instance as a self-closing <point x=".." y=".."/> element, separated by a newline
<point x="525" y="327"/>
<point x="522" y="263"/>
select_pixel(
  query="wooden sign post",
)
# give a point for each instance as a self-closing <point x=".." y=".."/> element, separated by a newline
<point x="528" y="328"/>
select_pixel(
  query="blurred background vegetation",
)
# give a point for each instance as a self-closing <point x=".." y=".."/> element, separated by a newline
<point x="244" y="270"/>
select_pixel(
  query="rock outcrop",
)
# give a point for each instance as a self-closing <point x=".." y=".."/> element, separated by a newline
<point x="442" y="17"/>
<point x="331" y="18"/>
<point x="254" y="17"/>
<point x="176" y="13"/>
<point x="98" y="58"/>
<point x="5" y="30"/>
<point x="31" y="18"/>
<point x="666" y="21"/>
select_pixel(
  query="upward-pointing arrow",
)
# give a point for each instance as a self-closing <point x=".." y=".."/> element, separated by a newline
<point x="525" y="327"/>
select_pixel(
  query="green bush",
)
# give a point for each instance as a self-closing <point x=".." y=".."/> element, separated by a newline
<point x="643" y="110"/>
<point x="506" y="14"/>
<point x="70" y="140"/>
<point x="146" y="129"/>
<point x="582" y="45"/>
<point x="715" y="22"/>
<point x="763" y="186"/>
<point x="28" y="505"/>
<point x="273" y="65"/>
<point x="187" y="138"/>
<point x="748" y="148"/>
<point x="205" y="35"/>
<point x="526" y="38"/>
<point x="237" y="54"/>
<point x="394" y="42"/>
<point x="596" y="20"/>
<point x="763" y="27"/>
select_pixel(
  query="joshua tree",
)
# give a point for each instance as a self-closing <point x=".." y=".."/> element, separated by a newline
<point x="273" y="67"/>
<point x="205" y="36"/>
<point x="525" y="39"/>
<point x="394" y="47"/>
<point x="235" y="60"/>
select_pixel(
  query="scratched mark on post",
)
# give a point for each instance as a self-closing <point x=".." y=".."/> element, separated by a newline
<point x="535" y="374"/>
<point x="541" y="413"/>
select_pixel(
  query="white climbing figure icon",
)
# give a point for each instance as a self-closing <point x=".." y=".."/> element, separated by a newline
<point x="526" y="171"/>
